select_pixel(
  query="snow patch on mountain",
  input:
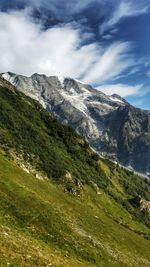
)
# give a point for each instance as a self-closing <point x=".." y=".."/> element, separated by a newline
<point x="80" y="82"/>
<point x="7" y="76"/>
<point x="115" y="99"/>
<point x="77" y="100"/>
<point x="61" y="79"/>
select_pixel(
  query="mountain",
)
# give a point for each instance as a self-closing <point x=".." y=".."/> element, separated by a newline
<point x="110" y="124"/>
<point x="61" y="204"/>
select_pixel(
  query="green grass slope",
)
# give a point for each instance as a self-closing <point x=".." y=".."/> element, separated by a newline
<point x="62" y="205"/>
<point x="42" y="225"/>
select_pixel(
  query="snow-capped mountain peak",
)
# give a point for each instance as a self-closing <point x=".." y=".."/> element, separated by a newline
<point x="112" y="126"/>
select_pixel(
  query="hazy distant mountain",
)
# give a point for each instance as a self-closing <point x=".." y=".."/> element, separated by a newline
<point x="111" y="125"/>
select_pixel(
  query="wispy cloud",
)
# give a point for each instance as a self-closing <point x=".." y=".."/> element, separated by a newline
<point x="122" y="10"/>
<point x="111" y="62"/>
<point x="148" y="73"/>
<point x="111" y="11"/>
<point x="120" y="89"/>
<point x="62" y="9"/>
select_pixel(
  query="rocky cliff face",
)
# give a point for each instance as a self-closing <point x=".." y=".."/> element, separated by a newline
<point x="112" y="126"/>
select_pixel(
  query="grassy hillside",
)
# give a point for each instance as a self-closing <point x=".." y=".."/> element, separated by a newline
<point x="41" y="224"/>
<point x="62" y="204"/>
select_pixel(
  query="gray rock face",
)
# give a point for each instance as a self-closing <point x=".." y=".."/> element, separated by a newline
<point x="112" y="126"/>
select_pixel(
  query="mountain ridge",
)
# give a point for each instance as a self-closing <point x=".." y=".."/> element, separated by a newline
<point x="112" y="126"/>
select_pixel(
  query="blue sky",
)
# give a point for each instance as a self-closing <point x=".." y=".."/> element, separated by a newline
<point x="102" y="42"/>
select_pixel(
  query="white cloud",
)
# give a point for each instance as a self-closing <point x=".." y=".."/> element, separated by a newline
<point x="25" y="48"/>
<point x="120" y="89"/>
